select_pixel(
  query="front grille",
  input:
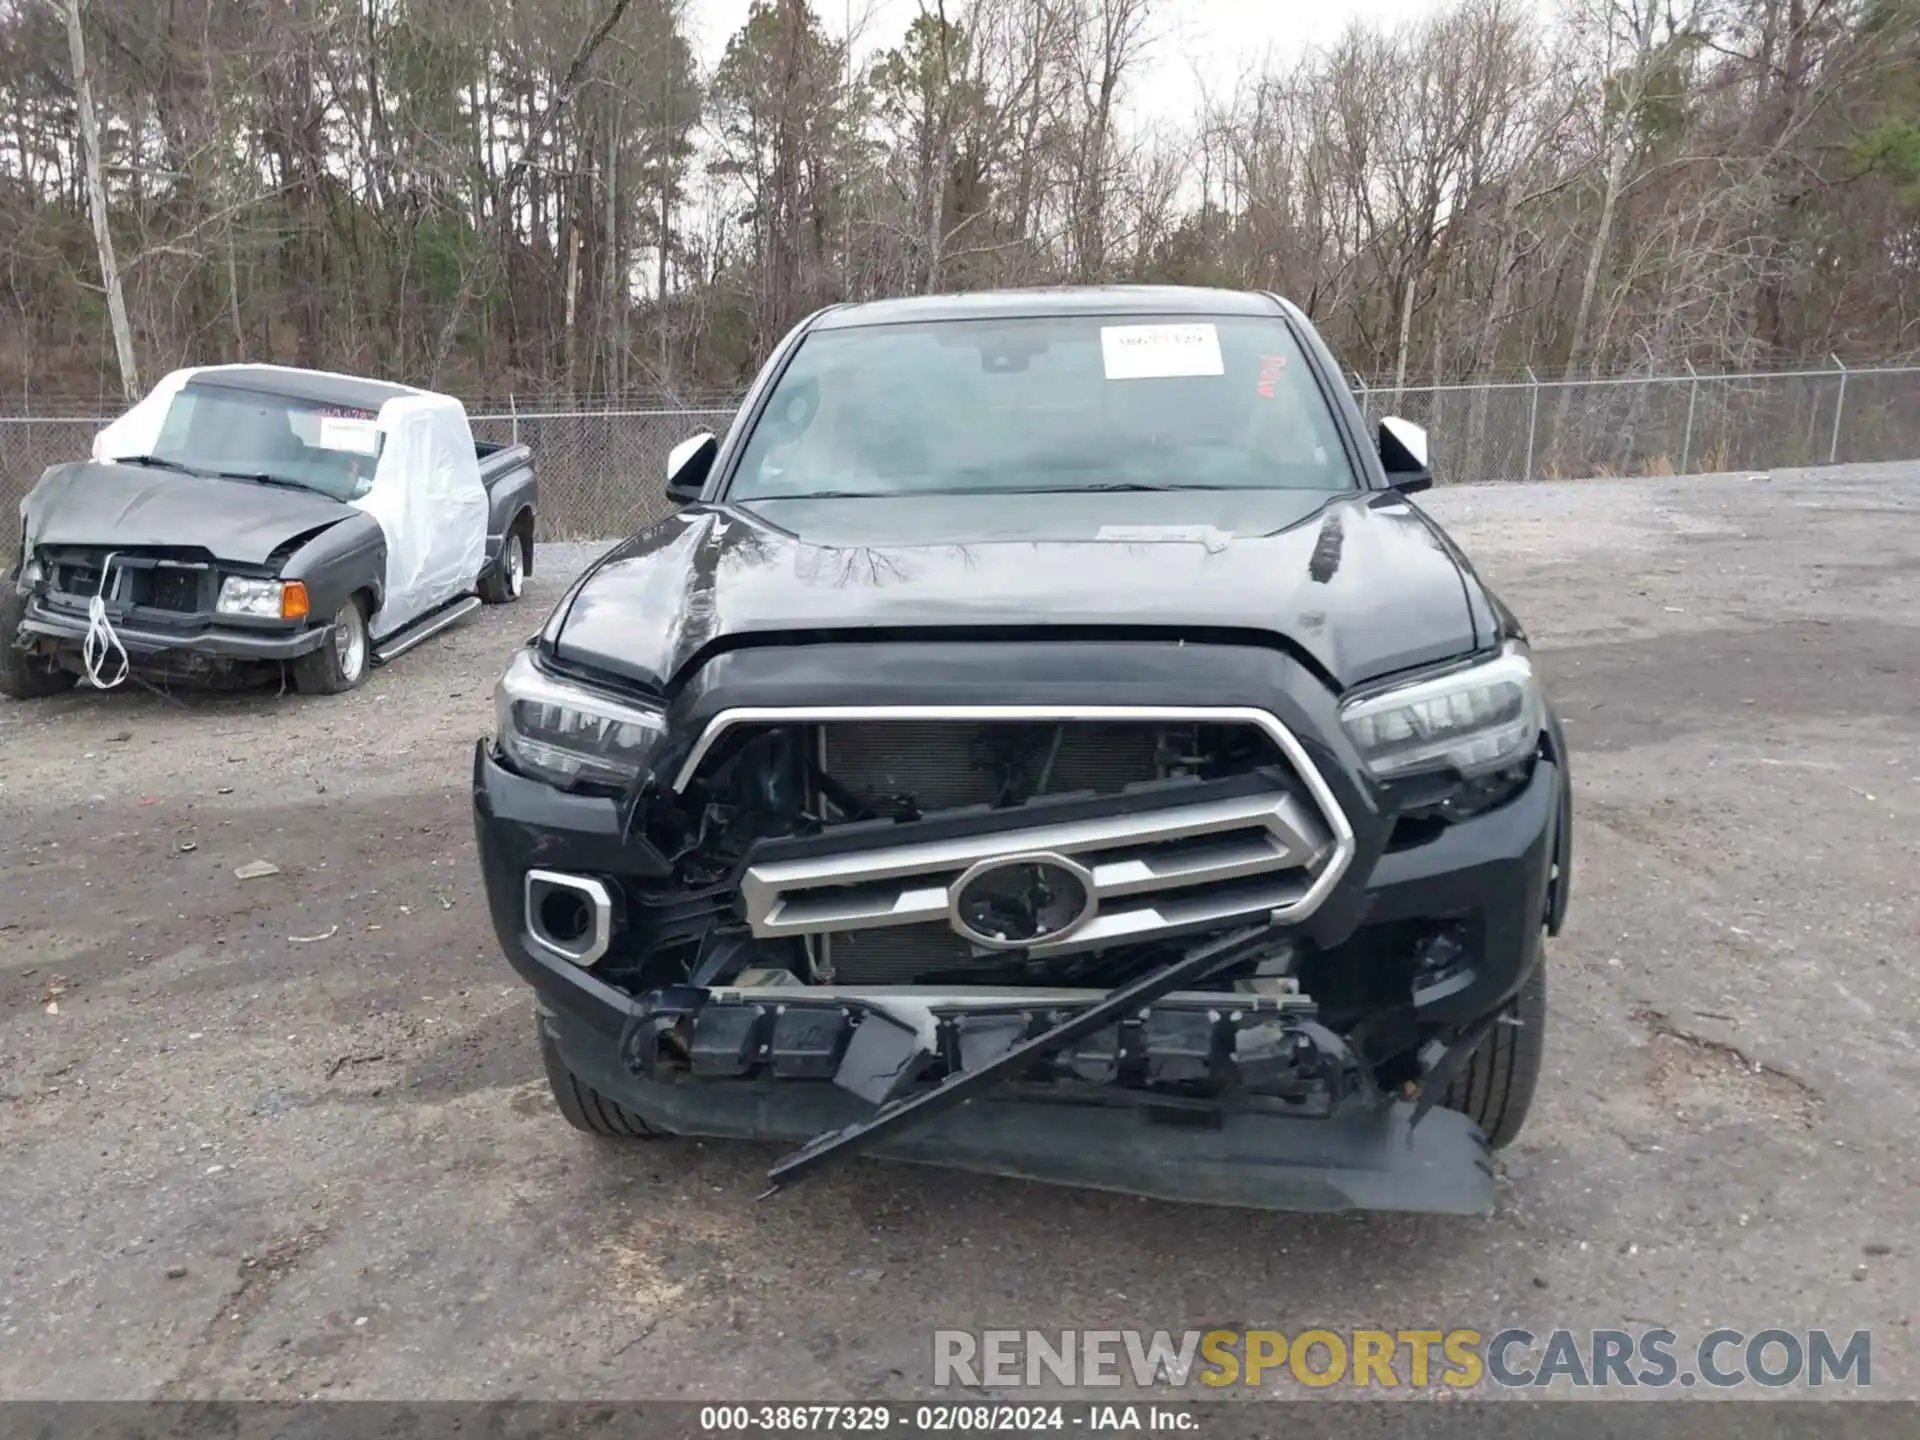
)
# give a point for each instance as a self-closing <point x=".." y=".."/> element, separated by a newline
<point x="155" y="582"/>
<point x="77" y="578"/>
<point x="170" y="589"/>
<point x="1177" y="821"/>
<point x="1170" y="866"/>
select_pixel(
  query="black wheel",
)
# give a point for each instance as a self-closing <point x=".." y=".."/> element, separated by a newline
<point x="24" y="676"/>
<point x="507" y="580"/>
<point x="342" y="662"/>
<point x="1495" y="1090"/>
<point x="585" y="1107"/>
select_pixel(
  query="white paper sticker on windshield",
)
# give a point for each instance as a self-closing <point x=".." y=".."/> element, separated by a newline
<point x="360" y="437"/>
<point x="1156" y="352"/>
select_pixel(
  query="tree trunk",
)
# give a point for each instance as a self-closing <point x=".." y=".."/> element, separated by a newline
<point x="1485" y="346"/>
<point x="1404" y="340"/>
<point x="97" y="204"/>
<point x="661" y="259"/>
<point x="1590" y="285"/>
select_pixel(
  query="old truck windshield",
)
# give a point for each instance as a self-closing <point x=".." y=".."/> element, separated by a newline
<point x="1047" y="404"/>
<point x="218" y="429"/>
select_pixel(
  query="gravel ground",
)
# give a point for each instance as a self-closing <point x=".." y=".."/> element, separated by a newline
<point x="286" y="1137"/>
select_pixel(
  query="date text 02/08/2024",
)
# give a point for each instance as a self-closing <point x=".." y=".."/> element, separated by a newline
<point x="940" y="1419"/>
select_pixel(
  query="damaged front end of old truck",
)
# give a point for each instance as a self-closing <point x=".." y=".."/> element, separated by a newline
<point x="1208" y="868"/>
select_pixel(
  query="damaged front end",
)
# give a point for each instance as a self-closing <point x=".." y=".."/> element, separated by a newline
<point x="1127" y="948"/>
<point x="1149" y="1089"/>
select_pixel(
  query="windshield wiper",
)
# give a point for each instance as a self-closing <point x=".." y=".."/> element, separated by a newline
<point x="1102" y="486"/>
<point x="156" y="462"/>
<point x="830" y="495"/>
<point x="260" y="477"/>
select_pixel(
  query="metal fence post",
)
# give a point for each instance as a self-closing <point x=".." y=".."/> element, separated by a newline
<point x="513" y="417"/>
<point x="1839" y="407"/>
<point x="1360" y="386"/>
<point x="1693" y="398"/>
<point x="1533" y="420"/>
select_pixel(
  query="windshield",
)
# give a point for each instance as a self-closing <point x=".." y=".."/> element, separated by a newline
<point x="329" y="449"/>
<point x="1059" y="403"/>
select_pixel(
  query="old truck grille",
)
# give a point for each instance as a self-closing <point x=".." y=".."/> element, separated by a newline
<point x="1166" y="850"/>
<point x="157" y="582"/>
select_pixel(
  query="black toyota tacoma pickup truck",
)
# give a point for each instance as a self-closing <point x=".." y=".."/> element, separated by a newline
<point x="1047" y="741"/>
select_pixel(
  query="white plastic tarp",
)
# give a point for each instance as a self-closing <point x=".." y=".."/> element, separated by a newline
<point x="138" y="431"/>
<point x="428" y="497"/>
<point x="427" y="493"/>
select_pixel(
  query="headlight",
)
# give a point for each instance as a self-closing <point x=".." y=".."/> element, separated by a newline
<point x="1476" y="720"/>
<point x="564" y="733"/>
<point x="268" y="599"/>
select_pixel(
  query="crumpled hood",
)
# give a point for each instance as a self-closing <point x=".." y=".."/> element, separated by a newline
<point x="1365" y="591"/>
<point x="131" y="507"/>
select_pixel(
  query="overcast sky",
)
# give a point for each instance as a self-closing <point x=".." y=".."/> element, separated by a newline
<point x="1200" y="45"/>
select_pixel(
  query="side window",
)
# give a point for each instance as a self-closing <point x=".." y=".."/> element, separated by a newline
<point x="178" y="426"/>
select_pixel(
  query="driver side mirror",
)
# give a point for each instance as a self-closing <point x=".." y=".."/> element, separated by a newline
<point x="687" y="467"/>
<point x="1403" y="455"/>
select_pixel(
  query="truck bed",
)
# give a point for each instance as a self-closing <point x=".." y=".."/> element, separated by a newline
<point x="497" y="459"/>
<point x="512" y="492"/>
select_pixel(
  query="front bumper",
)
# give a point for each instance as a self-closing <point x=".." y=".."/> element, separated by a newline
<point x="1492" y="871"/>
<point x="1362" y="1156"/>
<point x="200" y="636"/>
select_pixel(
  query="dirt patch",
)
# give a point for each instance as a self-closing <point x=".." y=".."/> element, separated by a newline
<point x="226" y="1332"/>
<point x="1703" y="1080"/>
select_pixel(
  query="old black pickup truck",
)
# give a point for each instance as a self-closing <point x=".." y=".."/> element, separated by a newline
<point x="249" y="521"/>
<point x="1047" y="740"/>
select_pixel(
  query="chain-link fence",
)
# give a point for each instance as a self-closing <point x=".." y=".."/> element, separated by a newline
<point x="1661" y="424"/>
<point x="601" y="471"/>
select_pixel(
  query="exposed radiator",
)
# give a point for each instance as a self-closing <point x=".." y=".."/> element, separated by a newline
<point x="940" y="763"/>
<point x="896" y="955"/>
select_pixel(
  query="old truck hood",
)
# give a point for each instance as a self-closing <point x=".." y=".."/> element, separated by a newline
<point x="131" y="507"/>
<point x="1364" y="589"/>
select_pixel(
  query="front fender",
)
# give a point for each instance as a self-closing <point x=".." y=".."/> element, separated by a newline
<point x="340" y="561"/>
<point x="1560" y="886"/>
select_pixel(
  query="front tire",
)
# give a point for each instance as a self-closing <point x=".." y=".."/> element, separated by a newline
<point x="342" y="663"/>
<point x="1495" y="1089"/>
<point x="24" y="676"/>
<point x="584" y="1107"/>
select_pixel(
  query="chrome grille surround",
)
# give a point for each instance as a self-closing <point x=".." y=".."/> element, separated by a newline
<point x="1226" y="859"/>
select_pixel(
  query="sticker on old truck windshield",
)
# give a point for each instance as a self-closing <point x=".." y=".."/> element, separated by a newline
<point x="1159" y="352"/>
<point x="359" y="437"/>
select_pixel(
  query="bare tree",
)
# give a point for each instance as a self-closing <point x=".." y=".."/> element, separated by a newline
<point x="97" y="206"/>
<point x="508" y="194"/>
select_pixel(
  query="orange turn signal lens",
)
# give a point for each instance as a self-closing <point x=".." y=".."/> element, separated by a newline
<point x="293" y="600"/>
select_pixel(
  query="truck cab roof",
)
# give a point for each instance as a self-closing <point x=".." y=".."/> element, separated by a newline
<point x="1057" y="300"/>
<point x="316" y="387"/>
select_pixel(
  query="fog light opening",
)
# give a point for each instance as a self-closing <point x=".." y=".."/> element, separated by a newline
<point x="565" y="916"/>
<point x="570" y="916"/>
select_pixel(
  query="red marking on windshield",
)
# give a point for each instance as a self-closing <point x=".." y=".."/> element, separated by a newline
<point x="1270" y="368"/>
